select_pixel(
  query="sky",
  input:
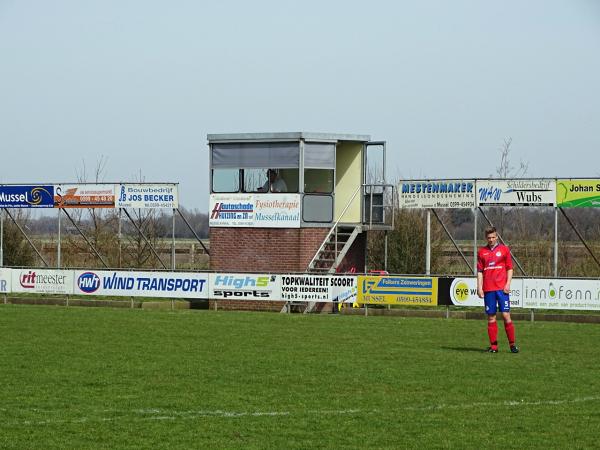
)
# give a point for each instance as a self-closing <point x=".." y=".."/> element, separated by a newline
<point x="139" y="84"/>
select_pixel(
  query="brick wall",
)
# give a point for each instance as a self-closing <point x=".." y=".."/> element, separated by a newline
<point x="241" y="305"/>
<point x="274" y="250"/>
<point x="278" y="250"/>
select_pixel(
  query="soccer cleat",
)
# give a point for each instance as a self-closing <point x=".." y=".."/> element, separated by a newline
<point x="514" y="349"/>
<point x="492" y="350"/>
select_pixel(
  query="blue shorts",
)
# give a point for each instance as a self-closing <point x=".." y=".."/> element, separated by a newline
<point x="494" y="298"/>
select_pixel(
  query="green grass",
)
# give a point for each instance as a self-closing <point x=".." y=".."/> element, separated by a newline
<point x="103" y="378"/>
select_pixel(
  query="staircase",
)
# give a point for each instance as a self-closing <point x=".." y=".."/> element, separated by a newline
<point x="333" y="249"/>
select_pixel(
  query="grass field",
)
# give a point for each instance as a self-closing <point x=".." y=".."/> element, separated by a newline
<point x="104" y="378"/>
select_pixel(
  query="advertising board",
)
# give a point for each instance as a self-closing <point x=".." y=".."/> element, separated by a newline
<point x="389" y="290"/>
<point x="578" y="193"/>
<point x="146" y="196"/>
<point x="243" y="286"/>
<point x="344" y="288"/>
<point x="5" y="281"/>
<point x="277" y="211"/>
<point x="533" y="192"/>
<point x="561" y="294"/>
<point x="26" y="196"/>
<point x="437" y="194"/>
<point x="231" y="210"/>
<point x="313" y="288"/>
<point x="42" y="281"/>
<point x="255" y="210"/>
<point x="141" y="284"/>
<point x="84" y="196"/>
<point x="463" y="292"/>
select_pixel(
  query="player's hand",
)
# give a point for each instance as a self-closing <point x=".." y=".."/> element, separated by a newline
<point x="506" y="289"/>
<point x="480" y="293"/>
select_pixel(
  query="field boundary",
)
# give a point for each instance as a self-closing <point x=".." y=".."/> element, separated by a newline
<point x="166" y="304"/>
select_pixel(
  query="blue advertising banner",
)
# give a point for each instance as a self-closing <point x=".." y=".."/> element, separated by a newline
<point x="22" y="196"/>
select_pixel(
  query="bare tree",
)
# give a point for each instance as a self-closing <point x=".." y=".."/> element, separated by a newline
<point x="99" y="225"/>
<point x="505" y="169"/>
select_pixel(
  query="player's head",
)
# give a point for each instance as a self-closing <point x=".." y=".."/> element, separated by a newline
<point x="272" y="175"/>
<point x="491" y="236"/>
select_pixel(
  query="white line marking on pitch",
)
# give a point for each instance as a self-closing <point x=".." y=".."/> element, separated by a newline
<point x="162" y="414"/>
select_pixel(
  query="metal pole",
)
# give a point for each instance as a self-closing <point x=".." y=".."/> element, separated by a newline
<point x="579" y="235"/>
<point x="193" y="232"/>
<point x="173" y="243"/>
<point x="451" y="239"/>
<point x="428" y="245"/>
<point x="1" y="238"/>
<point x="475" y="241"/>
<point x="26" y="237"/>
<point x="119" y="240"/>
<point x="555" y="242"/>
<point x="385" y="251"/>
<point x="59" y="239"/>
<point x="85" y="238"/>
<point x="514" y="258"/>
<point x="150" y="246"/>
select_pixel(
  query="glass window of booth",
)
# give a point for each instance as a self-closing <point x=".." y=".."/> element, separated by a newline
<point x="319" y="165"/>
<point x="270" y="180"/>
<point x="225" y="180"/>
<point x="318" y="181"/>
<point x="261" y="167"/>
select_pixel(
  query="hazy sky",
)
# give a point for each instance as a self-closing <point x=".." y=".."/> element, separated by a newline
<point x="141" y="83"/>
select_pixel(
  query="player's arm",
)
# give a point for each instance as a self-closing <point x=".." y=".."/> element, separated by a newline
<point x="509" y="275"/>
<point x="480" y="284"/>
<point x="479" y="276"/>
<point x="509" y="272"/>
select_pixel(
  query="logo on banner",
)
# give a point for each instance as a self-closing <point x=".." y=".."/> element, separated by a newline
<point x="517" y="192"/>
<point x="398" y="290"/>
<point x="247" y="286"/>
<point x="84" y="196"/>
<point x="26" y="196"/>
<point x="32" y="280"/>
<point x="578" y="193"/>
<point x="437" y="194"/>
<point x="461" y="291"/>
<point x="88" y="282"/>
<point x="562" y="292"/>
<point x="225" y="211"/>
<point x="147" y="196"/>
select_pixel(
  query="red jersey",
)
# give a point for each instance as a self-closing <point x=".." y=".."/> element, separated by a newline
<point x="494" y="263"/>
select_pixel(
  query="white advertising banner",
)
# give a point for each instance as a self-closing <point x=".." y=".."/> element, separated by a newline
<point x="311" y="288"/>
<point x="437" y="194"/>
<point x="243" y="286"/>
<point x="319" y="288"/>
<point x="277" y="210"/>
<point x="5" y="281"/>
<point x="147" y="196"/>
<point x="141" y="284"/>
<point x="84" y="196"/>
<point x="561" y="294"/>
<point x="539" y="192"/>
<point x="463" y="292"/>
<point x="344" y="289"/>
<point x="255" y="210"/>
<point x="231" y="210"/>
<point x="42" y="281"/>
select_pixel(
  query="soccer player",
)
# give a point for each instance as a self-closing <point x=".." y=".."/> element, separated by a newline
<point x="494" y="274"/>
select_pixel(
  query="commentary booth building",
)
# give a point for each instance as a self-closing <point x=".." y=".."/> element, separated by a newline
<point x="295" y="202"/>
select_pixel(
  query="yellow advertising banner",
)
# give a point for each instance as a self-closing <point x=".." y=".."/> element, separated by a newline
<point x="578" y="193"/>
<point x="391" y="290"/>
